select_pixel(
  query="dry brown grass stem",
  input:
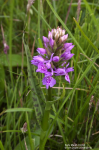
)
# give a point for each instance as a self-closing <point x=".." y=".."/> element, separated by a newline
<point x="67" y="88"/>
<point x="68" y="11"/>
<point x="78" y="9"/>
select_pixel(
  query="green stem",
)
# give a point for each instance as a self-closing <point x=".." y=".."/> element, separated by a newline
<point x="44" y="124"/>
<point x="49" y="94"/>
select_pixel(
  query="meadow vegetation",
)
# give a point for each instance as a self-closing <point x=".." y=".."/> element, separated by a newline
<point x="74" y="119"/>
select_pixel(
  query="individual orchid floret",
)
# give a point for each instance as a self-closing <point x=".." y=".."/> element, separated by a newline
<point x="41" y="51"/>
<point x="36" y="60"/>
<point x="66" y="45"/>
<point x="66" y="55"/>
<point x="48" y="62"/>
<point x="63" y="38"/>
<point x="69" y="48"/>
<point x="64" y="71"/>
<point x="63" y="32"/>
<point x="41" y="68"/>
<point x="56" y="58"/>
<point x="56" y="36"/>
<point x="51" y="43"/>
<point x="50" y="35"/>
<point x="6" y="48"/>
<point x="45" y="39"/>
<point x="49" y="81"/>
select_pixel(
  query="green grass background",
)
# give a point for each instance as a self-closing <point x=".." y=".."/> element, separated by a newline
<point x="71" y="120"/>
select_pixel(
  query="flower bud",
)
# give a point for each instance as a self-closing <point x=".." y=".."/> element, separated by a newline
<point x="56" y="58"/>
<point x="50" y="36"/>
<point x="41" y="51"/>
<point x="45" y="39"/>
<point x="63" y="38"/>
<point x="6" y="48"/>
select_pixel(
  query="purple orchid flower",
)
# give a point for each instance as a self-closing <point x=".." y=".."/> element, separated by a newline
<point x="57" y="55"/>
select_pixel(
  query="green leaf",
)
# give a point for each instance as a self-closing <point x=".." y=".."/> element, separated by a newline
<point x="37" y="93"/>
<point x="16" y="110"/>
<point x="1" y="146"/>
<point x="40" y="43"/>
<point x="16" y="60"/>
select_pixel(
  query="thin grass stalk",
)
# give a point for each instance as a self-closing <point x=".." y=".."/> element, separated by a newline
<point x="10" y="38"/>
<point x="41" y="17"/>
<point x="68" y="11"/>
<point x="29" y="133"/>
<point x="38" y="18"/>
<point x="7" y="143"/>
<point x="60" y="128"/>
<point x="22" y="72"/>
<point x="78" y="9"/>
<point x="54" y="5"/>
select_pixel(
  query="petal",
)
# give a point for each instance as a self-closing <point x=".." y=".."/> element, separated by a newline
<point x="59" y="71"/>
<point x="51" y="57"/>
<point x="51" y="43"/>
<point x="41" y="68"/>
<point x="69" y="69"/>
<point x="47" y="86"/>
<point x="48" y="74"/>
<point x="67" y="65"/>
<point x="44" y="81"/>
<point x="50" y="35"/>
<point x="49" y="81"/>
<point x="38" y="58"/>
<point x="63" y="63"/>
<point x="52" y="82"/>
<point x="64" y="38"/>
<point x="56" y="58"/>
<point x="45" y="39"/>
<point x="34" y="62"/>
<point x="41" y="51"/>
<point x="67" y="78"/>
<point x="69" y="48"/>
<point x="48" y="65"/>
<point x="67" y="56"/>
<point x="66" y="45"/>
